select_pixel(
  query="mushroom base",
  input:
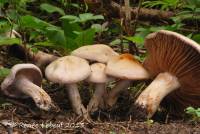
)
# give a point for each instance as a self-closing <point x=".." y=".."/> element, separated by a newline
<point x="40" y="97"/>
<point x="75" y="99"/>
<point x="115" y="92"/>
<point x="97" y="97"/>
<point x="152" y="96"/>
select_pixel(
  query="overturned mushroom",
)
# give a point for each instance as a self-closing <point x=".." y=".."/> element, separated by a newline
<point x="69" y="70"/>
<point x="40" y="59"/>
<point x="97" y="52"/>
<point x="174" y="61"/>
<point x="126" y="68"/>
<point x="99" y="77"/>
<point x="25" y="80"/>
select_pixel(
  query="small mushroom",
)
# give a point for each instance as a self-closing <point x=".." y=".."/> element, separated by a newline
<point x="126" y="68"/>
<point x="69" y="70"/>
<point x="97" y="52"/>
<point x="99" y="77"/>
<point x="174" y="61"/>
<point x="25" y="80"/>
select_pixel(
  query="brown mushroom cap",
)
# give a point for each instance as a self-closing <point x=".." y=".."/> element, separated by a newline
<point x="68" y="69"/>
<point x="30" y="71"/>
<point x="125" y="66"/>
<point x="97" y="52"/>
<point x="174" y="53"/>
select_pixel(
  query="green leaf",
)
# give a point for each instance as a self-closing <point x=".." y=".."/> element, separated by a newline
<point x="51" y="8"/>
<point x="56" y="36"/>
<point x="135" y="39"/>
<point x="4" y="26"/>
<point x="85" y="38"/>
<point x="98" y="28"/>
<point x="196" y="38"/>
<point x="9" y="41"/>
<point x="4" y="72"/>
<point x="70" y="28"/>
<point x="69" y="18"/>
<point x="82" y="18"/>
<point x="89" y="16"/>
<point x="35" y="23"/>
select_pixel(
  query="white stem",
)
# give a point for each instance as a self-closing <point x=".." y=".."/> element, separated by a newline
<point x="75" y="99"/>
<point x="161" y="86"/>
<point x="40" y="97"/>
<point x="115" y="92"/>
<point x="97" y="97"/>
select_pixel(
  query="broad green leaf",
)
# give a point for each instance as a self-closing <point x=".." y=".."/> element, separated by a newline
<point x="51" y="8"/>
<point x="9" y="41"/>
<point x="56" y="36"/>
<point x="70" y="28"/>
<point x="85" y="38"/>
<point x="33" y="22"/>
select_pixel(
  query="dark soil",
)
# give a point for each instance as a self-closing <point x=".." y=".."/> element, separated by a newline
<point x="22" y="116"/>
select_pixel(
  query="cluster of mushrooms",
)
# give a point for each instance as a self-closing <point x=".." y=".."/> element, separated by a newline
<point x="173" y="62"/>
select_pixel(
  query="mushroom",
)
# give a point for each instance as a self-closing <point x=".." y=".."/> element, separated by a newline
<point x="39" y="58"/>
<point x="174" y="61"/>
<point x="69" y="70"/>
<point x="97" y="52"/>
<point x="99" y="77"/>
<point x="25" y="80"/>
<point x="126" y="68"/>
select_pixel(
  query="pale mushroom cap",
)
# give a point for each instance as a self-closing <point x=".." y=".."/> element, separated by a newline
<point x="97" y="52"/>
<point x="98" y="74"/>
<point x="30" y="71"/>
<point x="68" y="69"/>
<point x="126" y="67"/>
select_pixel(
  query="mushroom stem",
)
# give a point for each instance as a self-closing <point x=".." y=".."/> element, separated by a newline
<point x="40" y="97"/>
<point x="75" y="99"/>
<point x="114" y="93"/>
<point x="97" y="97"/>
<point x="152" y="96"/>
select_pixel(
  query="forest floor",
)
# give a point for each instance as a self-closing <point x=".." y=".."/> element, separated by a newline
<point x="22" y="116"/>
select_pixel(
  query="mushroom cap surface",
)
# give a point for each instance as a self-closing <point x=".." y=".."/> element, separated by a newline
<point x="180" y="56"/>
<point x="97" y="52"/>
<point x="30" y="71"/>
<point x="98" y="74"/>
<point x="125" y="66"/>
<point x="68" y="69"/>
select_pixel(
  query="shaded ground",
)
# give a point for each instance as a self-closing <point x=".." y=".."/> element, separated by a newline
<point x="26" y="118"/>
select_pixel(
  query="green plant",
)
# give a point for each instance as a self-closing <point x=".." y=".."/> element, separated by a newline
<point x="162" y="4"/>
<point x="69" y="36"/>
<point x="194" y="113"/>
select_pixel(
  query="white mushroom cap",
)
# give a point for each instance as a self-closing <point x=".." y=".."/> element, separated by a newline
<point x="30" y="71"/>
<point x="126" y="67"/>
<point x="98" y="74"/>
<point x="68" y="69"/>
<point x="97" y="52"/>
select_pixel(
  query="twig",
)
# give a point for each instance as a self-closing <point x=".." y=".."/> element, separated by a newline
<point x="145" y="12"/>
